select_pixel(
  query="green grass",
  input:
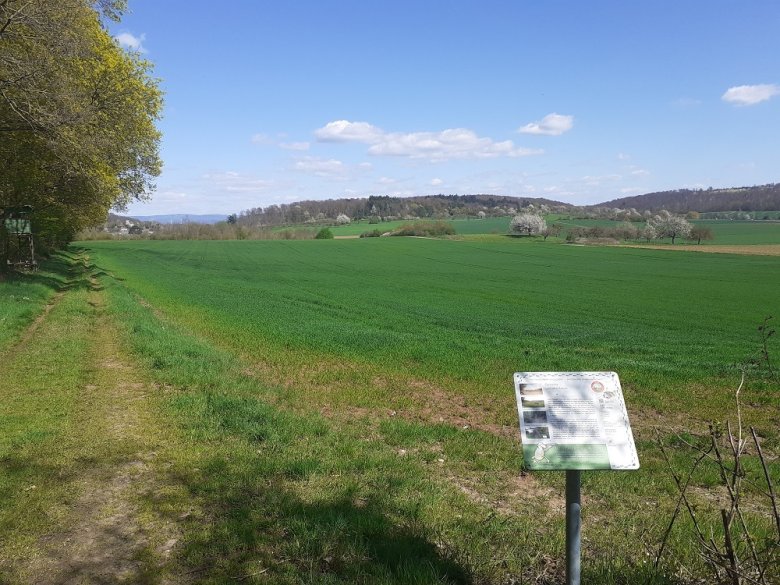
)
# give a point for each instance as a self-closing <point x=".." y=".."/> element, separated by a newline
<point x="355" y="501"/>
<point x="242" y="345"/>
<point x="742" y="232"/>
<point x="44" y="405"/>
<point x="358" y="227"/>
<point x="470" y="312"/>
<point x="490" y="225"/>
<point x="22" y="296"/>
<point x="303" y="499"/>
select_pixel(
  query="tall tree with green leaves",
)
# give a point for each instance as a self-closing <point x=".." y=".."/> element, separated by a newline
<point x="77" y="115"/>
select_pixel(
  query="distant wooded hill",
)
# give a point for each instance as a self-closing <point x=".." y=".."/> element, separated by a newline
<point x="747" y="199"/>
<point x="391" y="208"/>
<point x="759" y="198"/>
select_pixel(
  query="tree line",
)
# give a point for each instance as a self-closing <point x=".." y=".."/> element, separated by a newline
<point x="387" y="208"/>
<point x="756" y="198"/>
<point x="77" y="117"/>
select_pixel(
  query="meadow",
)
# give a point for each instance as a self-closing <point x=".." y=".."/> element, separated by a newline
<point x="725" y="232"/>
<point x="490" y="225"/>
<point x="342" y="411"/>
<point x="468" y="312"/>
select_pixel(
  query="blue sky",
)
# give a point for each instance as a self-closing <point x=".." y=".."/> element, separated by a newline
<point x="274" y="102"/>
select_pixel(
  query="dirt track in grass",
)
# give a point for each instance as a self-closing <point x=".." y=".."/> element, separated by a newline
<point x="107" y="535"/>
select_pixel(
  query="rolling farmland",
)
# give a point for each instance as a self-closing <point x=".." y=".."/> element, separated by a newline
<point x="465" y="311"/>
<point x="342" y="411"/>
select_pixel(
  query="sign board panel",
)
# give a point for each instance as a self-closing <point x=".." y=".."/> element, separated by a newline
<point x="574" y="420"/>
<point x="17" y="226"/>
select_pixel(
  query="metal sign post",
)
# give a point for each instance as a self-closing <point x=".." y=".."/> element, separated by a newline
<point x="573" y="541"/>
<point x="574" y="421"/>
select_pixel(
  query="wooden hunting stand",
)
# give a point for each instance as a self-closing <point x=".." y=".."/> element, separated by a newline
<point x="16" y="233"/>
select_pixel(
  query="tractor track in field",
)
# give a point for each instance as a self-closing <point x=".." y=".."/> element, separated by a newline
<point x="107" y="537"/>
<point x="33" y="327"/>
<point x="75" y="275"/>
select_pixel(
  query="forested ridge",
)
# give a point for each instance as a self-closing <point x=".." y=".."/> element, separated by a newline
<point x="390" y="208"/>
<point x="757" y="198"/>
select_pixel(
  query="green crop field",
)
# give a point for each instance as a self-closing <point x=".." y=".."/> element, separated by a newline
<point x="490" y="225"/>
<point x="725" y="232"/>
<point x="465" y="310"/>
<point x="342" y="411"/>
<point x="742" y="232"/>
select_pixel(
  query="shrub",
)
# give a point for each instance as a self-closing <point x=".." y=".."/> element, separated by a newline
<point x="324" y="234"/>
<point x="425" y="229"/>
<point x="371" y="234"/>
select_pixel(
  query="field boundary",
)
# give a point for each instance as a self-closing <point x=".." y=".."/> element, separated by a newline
<point x="744" y="249"/>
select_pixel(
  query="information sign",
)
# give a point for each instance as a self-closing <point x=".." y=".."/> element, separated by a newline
<point x="574" y="420"/>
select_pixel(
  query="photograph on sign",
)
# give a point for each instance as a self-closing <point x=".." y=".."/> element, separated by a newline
<point x="574" y="420"/>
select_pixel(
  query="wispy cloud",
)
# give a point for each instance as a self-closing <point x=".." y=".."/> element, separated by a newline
<point x="299" y="146"/>
<point x="321" y="167"/>
<point x="128" y="40"/>
<point x="261" y="138"/>
<point x="233" y="182"/>
<point x="596" y="180"/>
<point x="453" y="143"/>
<point x="749" y="95"/>
<point x="551" y="125"/>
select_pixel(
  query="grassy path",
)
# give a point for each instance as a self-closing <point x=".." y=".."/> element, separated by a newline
<point x="79" y="451"/>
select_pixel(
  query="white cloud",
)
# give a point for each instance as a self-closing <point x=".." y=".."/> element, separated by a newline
<point x="640" y="173"/>
<point x="386" y="181"/>
<point x="345" y="131"/>
<point x="320" y="167"/>
<point x="128" y="40"/>
<point x="551" y="125"/>
<point x="299" y="146"/>
<point x="260" y="138"/>
<point x="436" y="182"/>
<point x="749" y="95"/>
<point x="623" y="156"/>
<point x="233" y="182"/>
<point x="596" y="180"/>
<point x="454" y="143"/>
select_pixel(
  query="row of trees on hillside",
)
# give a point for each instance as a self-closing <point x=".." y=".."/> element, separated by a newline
<point x="386" y="208"/>
<point x="756" y="198"/>
<point x="77" y="116"/>
<point x="640" y="209"/>
<point x="660" y="226"/>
